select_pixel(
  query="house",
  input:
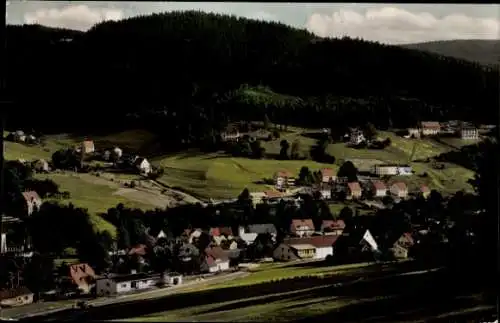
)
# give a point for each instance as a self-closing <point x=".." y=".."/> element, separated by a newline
<point x="385" y="170"/>
<point x="230" y="134"/>
<point x="355" y="244"/>
<point x="354" y="190"/>
<point x="425" y="191"/>
<point x="469" y="133"/>
<point x="318" y="247"/>
<point x="356" y="137"/>
<point x="378" y="189"/>
<point x="281" y="179"/>
<point x="325" y="190"/>
<point x="118" y="284"/>
<point x="250" y="232"/>
<point x="217" y="259"/>
<point x="117" y="152"/>
<point x="88" y="147"/>
<point x="143" y="165"/>
<point x="19" y="136"/>
<point x="430" y="128"/>
<point x="399" y="189"/>
<point x="333" y="227"/>
<point x="302" y="228"/>
<point x="414" y="132"/>
<point x="405" y="170"/>
<point x="15" y="297"/>
<point x="257" y="197"/>
<point x="172" y="279"/>
<point x="81" y="277"/>
<point x="327" y="175"/>
<point x="272" y="195"/>
<point x="399" y="245"/>
<point x="33" y="201"/>
<point x="41" y="166"/>
<point x="221" y="231"/>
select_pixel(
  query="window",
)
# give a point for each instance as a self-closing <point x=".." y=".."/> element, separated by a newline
<point x="134" y="284"/>
<point x="124" y="285"/>
<point x="108" y="284"/>
<point x="26" y="298"/>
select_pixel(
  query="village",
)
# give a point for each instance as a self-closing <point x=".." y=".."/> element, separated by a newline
<point x="345" y="237"/>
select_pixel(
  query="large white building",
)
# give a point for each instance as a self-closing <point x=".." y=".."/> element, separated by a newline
<point x="112" y="285"/>
<point x="318" y="247"/>
<point x="469" y="133"/>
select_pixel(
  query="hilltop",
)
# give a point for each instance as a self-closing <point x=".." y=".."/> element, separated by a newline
<point x="486" y="52"/>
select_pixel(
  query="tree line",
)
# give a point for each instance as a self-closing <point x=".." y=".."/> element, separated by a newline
<point x="185" y="75"/>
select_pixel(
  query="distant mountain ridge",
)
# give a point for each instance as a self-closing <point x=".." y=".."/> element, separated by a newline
<point x="486" y="52"/>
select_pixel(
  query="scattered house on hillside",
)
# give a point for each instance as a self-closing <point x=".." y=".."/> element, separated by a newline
<point x="405" y="170"/>
<point x="281" y="179"/>
<point x="414" y="133"/>
<point x="332" y="227"/>
<point x="81" y="278"/>
<point x="119" y="284"/>
<point x="356" y="136"/>
<point x="469" y="133"/>
<point x="33" y="201"/>
<point x="88" y="147"/>
<point x="231" y="133"/>
<point x="217" y="259"/>
<point x="385" y="169"/>
<point x="425" y="191"/>
<point x="327" y="175"/>
<point x="15" y="297"/>
<point x="250" y="232"/>
<point x="378" y="189"/>
<point x="41" y="166"/>
<point x="399" y="190"/>
<point x="354" y="190"/>
<point x="143" y="165"/>
<point x="430" y="128"/>
<point x="19" y="136"/>
<point x="318" y="247"/>
<point x="302" y="227"/>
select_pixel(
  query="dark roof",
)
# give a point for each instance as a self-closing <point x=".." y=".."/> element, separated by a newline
<point x="317" y="241"/>
<point x="133" y="277"/>
<point x="15" y="292"/>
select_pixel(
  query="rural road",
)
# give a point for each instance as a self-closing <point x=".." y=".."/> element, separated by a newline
<point x="35" y="310"/>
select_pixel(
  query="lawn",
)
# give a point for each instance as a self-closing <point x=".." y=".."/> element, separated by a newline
<point x="96" y="198"/>
<point x="217" y="176"/>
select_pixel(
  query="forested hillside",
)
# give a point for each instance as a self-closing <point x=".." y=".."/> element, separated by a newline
<point x="184" y="74"/>
<point x="483" y="51"/>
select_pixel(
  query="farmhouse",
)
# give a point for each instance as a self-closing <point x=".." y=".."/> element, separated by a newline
<point x="15" y="297"/>
<point x="399" y="189"/>
<point x="469" y="133"/>
<point x="41" y="166"/>
<point x="142" y="165"/>
<point x="172" y="279"/>
<point x="301" y="227"/>
<point x="414" y="132"/>
<point x="118" y="284"/>
<point x="385" y="169"/>
<point x="281" y="179"/>
<point x="354" y="190"/>
<point x="327" y="175"/>
<point x="318" y="247"/>
<point x="33" y="201"/>
<point x="378" y="189"/>
<point x="88" y="147"/>
<point x="430" y="128"/>
<point x="217" y="259"/>
<point x="332" y="227"/>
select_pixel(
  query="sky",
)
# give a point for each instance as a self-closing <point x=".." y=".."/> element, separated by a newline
<point x="386" y="23"/>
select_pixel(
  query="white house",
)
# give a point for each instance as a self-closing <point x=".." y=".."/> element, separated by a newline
<point x="430" y="128"/>
<point x="117" y="152"/>
<point x="249" y="233"/>
<point x="385" y="170"/>
<point x="405" y="170"/>
<point x="327" y="175"/>
<point x="143" y="165"/>
<point x="119" y="284"/>
<point x="257" y="197"/>
<point x="469" y="133"/>
<point x="218" y="265"/>
<point x="414" y="132"/>
<point x="399" y="189"/>
<point x="379" y="189"/>
<point x="318" y="247"/>
<point x="301" y="227"/>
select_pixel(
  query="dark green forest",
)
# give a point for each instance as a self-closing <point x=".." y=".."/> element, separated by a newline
<point x="186" y="74"/>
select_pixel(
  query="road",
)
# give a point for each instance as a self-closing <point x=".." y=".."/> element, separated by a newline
<point x="45" y="308"/>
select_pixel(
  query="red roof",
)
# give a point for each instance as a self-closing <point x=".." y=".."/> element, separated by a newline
<point x="221" y="231"/>
<point x="431" y="124"/>
<point x="400" y="185"/>
<point x="271" y="194"/>
<point x="327" y="172"/>
<point x="333" y="224"/>
<point x="80" y="272"/>
<point x="317" y="241"/>
<point x="31" y="195"/>
<point x="139" y="250"/>
<point x="283" y="173"/>
<point x="301" y="223"/>
<point x="379" y="185"/>
<point x="214" y="253"/>
<point x="354" y="186"/>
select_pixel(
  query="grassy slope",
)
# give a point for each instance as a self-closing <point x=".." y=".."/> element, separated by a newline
<point x="217" y="176"/>
<point x="94" y="197"/>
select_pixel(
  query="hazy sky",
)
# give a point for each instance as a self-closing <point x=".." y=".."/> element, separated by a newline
<point x="388" y="23"/>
